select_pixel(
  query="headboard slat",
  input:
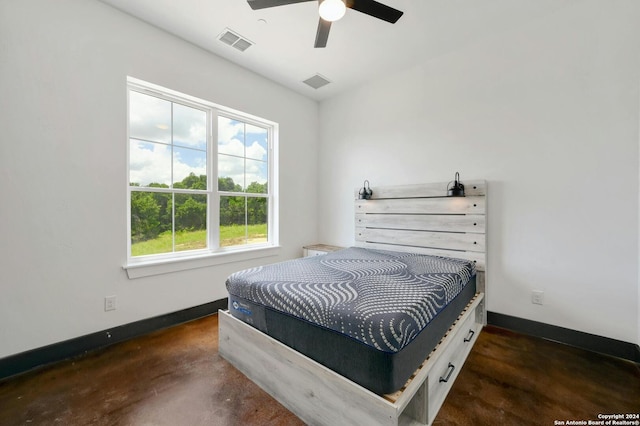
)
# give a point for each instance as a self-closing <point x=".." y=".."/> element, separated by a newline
<point x="431" y="205"/>
<point x="443" y="222"/>
<point x="422" y="190"/>
<point x="442" y="240"/>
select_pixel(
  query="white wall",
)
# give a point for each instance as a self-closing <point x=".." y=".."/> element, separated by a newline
<point x="547" y="113"/>
<point x="63" y="68"/>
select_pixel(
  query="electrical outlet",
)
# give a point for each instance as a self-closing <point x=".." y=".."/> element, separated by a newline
<point x="537" y="297"/>
<point x="110" y="303"/>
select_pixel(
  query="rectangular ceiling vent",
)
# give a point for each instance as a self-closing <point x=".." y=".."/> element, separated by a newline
<point x="234" y="39"/>
<point x="317" y="81"/>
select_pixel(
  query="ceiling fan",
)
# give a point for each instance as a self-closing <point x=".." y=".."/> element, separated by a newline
<point x="332" y="10"/>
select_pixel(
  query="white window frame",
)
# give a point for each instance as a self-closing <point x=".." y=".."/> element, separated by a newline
<point x="141" y="266"/>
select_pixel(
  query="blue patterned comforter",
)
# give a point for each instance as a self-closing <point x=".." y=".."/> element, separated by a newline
<point x="381" y="298"/>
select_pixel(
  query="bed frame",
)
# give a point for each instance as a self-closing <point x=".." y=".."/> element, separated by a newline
<point x="417" y="218"/>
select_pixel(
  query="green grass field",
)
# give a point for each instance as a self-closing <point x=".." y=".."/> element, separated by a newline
<point x="229" y="236"/>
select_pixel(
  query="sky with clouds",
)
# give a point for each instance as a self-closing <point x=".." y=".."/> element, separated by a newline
<point x="160" y="144"/>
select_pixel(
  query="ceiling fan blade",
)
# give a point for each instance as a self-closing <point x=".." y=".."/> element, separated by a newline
<point x="322" y="35"/>
<point x="263" y="4"/>
<point x="375" y="9"/>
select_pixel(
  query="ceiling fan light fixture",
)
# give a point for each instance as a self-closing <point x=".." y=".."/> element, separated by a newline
<point x="332" y="10"/>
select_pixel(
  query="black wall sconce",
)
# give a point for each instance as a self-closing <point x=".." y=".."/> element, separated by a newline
<point x="457" y="190"/>
<point x="365" y="192"/>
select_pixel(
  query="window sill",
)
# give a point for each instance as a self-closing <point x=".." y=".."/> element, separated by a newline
<point x="166" y="266"/>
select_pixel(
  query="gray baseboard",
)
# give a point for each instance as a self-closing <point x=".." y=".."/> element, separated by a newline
<point x="29" y="360"/>
<point x="591" y="342"/>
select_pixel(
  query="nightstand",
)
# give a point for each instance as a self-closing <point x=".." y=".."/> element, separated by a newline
<point x="318" y="249"/>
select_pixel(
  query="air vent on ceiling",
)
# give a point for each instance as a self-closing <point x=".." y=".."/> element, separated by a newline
<point x="234" y="39"/>
<point x="317" y="81"/>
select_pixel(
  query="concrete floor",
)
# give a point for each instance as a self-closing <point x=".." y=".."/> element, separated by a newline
<point x="176" y="377"/>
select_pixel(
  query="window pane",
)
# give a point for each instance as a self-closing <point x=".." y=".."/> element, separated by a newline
<point x="230" y="137"/>
<point x="149" y="118"/>
<point x="256" y="174"/>
<point x="189" y="168"/>
<point x="149" y="163"/>
<point x="233" y="229"/>
<point x="150" y="223"/>
<point x="257" y="214"/>
<point x="256" y="142"/>
<point x="231" y="172"/>
<point x="191" y="222"/>
<point x="189" y="127"/>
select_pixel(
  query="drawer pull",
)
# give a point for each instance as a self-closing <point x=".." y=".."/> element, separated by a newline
<point x="469" y="336"/>
<point x="450" y="369"/>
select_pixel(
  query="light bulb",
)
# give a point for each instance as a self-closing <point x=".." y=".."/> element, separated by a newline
<point x="332" y="10"/>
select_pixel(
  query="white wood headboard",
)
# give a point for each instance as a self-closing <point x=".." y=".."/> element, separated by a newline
<point x="421" y="218"/>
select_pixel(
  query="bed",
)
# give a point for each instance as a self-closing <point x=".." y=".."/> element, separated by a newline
<point x="375" y="333"/>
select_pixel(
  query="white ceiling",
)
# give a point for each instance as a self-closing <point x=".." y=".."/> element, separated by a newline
<point x="360" y="47"/>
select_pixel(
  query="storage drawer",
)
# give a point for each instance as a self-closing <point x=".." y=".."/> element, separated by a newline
<point x="446" y="368"/>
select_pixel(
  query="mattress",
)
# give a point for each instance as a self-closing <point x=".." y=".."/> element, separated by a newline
<point x="370" y="315"/>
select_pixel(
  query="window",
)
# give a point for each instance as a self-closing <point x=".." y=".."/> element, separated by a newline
<point x="199" y="177"/>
